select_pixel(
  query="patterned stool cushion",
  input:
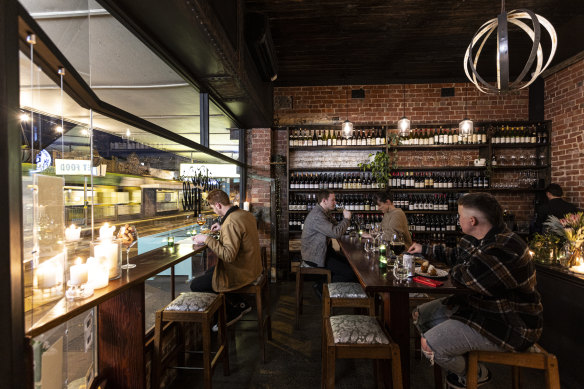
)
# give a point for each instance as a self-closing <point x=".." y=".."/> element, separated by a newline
<point x="351" y="290"/>
<point x="357" y="329"/>
<point x="192" y="302"/>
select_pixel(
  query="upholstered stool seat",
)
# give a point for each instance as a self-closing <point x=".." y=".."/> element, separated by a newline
<point x="358" y="336"/>
<point x="303" y="270"/>
<point x="346" y="290"/>
<point x="357" y="329"/>
<point x="194" y="307"/>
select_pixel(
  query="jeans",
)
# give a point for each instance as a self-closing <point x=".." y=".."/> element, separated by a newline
<point x="340" y="269"/>
<point x="204" y="283"/>
<point x="449" y="339"/>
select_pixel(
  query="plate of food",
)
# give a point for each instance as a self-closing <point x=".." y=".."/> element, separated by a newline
<point x="428" y="270"/>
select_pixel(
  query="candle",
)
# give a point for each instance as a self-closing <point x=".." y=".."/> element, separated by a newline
<point x="360" y="233"/>
<point x="46" y="275"/>
<point x="382" y="249"/>
<point x="98" y="273"/>
<point x="72" y="233"/>
<point x="170" y="241"/>
<point x="106" y="232"/>
<point x="78" y="273"/>
<point x="107" y="253"/>
<point x="246" y="205"/>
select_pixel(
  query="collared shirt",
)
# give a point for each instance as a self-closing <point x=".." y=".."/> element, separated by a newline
<point x="504" y="305"/>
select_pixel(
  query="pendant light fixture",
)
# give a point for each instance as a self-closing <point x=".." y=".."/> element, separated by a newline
<point x="347" y="127"/>
<point x="466" y="126"/>
<point x="403" y="125"/>
<point x="500" y="24"/>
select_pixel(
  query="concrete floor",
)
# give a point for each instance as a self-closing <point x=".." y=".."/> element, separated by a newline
<point x="294" y="355"/>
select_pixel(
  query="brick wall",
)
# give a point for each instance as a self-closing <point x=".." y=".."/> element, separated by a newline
<point x="259" y="148"/>
<point x="383" y="104"/>
<point x="564" y="106"/>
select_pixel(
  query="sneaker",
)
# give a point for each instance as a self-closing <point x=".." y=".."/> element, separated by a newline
<point x="455" y="381"/>
<point x="234" y="314"/>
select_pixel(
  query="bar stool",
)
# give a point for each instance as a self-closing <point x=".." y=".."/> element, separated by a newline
<point x="345" y="294"/>
<point x="538" y="358"/>
<point x="193" y="307"/>
<point x="358" y="336"/>
<point x="303" y="270"/>
<point x="261" y="291"/>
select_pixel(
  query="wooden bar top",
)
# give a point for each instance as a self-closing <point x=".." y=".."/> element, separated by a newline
<point x="147" y="265"/>
<point x="374" y="279"/>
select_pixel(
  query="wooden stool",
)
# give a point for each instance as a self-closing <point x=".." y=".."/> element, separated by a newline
<point x="345" y="294"/>
<point x="302" y="271"/>
<point x="194" y="307"/>
<point x="261" y="291"/>
<point x="358" y="336"/>
<point x="538" y="359"/>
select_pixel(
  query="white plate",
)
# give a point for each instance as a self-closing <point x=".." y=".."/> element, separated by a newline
<point x="439" y="273"/>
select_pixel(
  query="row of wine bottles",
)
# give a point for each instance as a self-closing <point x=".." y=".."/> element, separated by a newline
<point x="358" y="221"/>
<point x="439" y="180"/>
<point x="336" y="180"/>
<point x="520" y="134"/>
<point x="443" y="136"/>
<point x="432" y="223"/>
<point x="434" y="238"/>
<point x="426" y="201"/>
<point x="333" y="137"/>
<point x="351" y="202"/>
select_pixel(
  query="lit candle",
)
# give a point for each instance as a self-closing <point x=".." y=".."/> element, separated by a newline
<point x="78" y="273"/>
<point x="106" y="232"/>
<point x="360" y="233"/>
<point x="170" y="241"/>
<point x="107" y="253"/>
<point x="382" y="249"/>
<point x="46" y="275"/>
<point x="98" y="273"/>
<point x="72" y="233"/>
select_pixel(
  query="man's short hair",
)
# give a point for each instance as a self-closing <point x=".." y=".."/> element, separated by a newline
<point x="323" y="194"/>
<point x="382" y="197"/>
<point x="555" y="190"/>
<point x="218" y="196"/>
<point x="486" y="204"/>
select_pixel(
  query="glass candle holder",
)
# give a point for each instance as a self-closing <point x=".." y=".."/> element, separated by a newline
<point x="108" y="251"/>
<point x="48" y="279"/>
<point x="170" y="241"/>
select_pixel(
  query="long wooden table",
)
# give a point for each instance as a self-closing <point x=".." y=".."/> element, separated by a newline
<point x="396" y="309"/>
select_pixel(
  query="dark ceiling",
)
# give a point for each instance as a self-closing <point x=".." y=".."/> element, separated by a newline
<point x="330" y="42"/>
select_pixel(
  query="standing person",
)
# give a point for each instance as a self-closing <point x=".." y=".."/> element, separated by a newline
<point x="319" y="228"/>
<point x="394" y="219"/>
<point x="555" y="206"/>
<point x="503" y="312"/>
<point x="238" y="250"/>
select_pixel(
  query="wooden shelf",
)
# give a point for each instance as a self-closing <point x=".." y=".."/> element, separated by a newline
<point x="439" y="147"/>
<point x="325" y="148"/>
<point x="328" y="169"/>
<point x="518" y="145"/>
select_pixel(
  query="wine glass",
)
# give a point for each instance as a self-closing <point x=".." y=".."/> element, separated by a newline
<point x="397" y="243"/>
<point x="201" y="221"/>
<point x="368" y="247"/>
<point x="129" y="237"/>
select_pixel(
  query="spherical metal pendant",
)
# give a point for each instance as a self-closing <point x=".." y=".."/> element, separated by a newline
<point x="500" y="24"/>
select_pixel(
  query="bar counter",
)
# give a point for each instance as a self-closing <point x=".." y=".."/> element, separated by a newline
<point x="120" y="315"/>
<point x="396" y="295"/>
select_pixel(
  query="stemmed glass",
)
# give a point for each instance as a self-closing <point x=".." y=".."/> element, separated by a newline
<point x="397" y="243"/>
<point x="201" y="221"/>
<point x="129" y="237"/>
<point x="368" y="247"/>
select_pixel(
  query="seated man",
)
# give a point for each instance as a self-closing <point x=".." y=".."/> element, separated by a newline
<point x="238" y="250"/>
<point x="555" y="206"/>
<point x="319" y="227"/>
<point x="502" y="312"/>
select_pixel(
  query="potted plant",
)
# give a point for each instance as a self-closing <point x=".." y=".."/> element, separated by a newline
<point x="381" y="163"/>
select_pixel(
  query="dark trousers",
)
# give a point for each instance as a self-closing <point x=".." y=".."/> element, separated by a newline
<point x="340" y="269"/>
<point x="204" y="283"/>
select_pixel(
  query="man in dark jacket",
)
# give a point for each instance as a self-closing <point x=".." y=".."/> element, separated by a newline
<point x="555" y="206"/>
<point x="503" y="310"/>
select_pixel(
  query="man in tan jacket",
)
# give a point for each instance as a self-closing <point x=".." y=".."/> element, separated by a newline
<point x="238" y="250"/>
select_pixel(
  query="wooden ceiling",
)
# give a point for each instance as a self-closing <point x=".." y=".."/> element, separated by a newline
<point x="330" y="42"/>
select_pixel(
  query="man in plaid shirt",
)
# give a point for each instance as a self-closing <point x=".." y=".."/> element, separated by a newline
<point x="502" y="313"/>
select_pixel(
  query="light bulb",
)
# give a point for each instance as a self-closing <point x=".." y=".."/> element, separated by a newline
<point x="347" y="129"/>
